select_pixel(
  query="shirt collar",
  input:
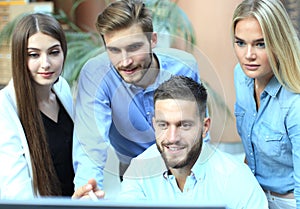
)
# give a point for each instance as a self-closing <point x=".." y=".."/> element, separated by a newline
<point x="199" y="168"/>
<point x="272" y="87"/>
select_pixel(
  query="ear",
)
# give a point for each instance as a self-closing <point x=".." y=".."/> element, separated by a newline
<point x="206" y="126"/>
<point x="153" y="40"/>
<point x="153" y="121"/>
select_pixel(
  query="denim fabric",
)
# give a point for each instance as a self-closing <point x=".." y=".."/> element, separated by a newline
<point x="271" y="134"/>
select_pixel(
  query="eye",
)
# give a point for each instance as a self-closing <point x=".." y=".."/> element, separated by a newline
<point x="33" y="55"/>
<point x="55" y="52"/>
<point x="162" y="125"/>
<point x="186" y="125"/>
<point x="240" y="43"/>
<point x="113" y="50"/>
<point x="134" y="47"/>
<point x="261" y="45"/>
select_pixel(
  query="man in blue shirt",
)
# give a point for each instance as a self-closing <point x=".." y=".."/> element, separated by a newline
<point x="114" y="105"/>
<point x="180" y="167"/>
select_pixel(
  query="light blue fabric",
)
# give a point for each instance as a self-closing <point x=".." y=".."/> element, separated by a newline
<point x="111" y="111"/>
<point x="279" y="202"/>
<point x="216" y="178"/>
<point x="271" y="135"/>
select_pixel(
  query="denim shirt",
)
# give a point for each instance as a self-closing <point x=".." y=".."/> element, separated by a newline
<point x="271" y="134"/>
<point x="110" y="111"/>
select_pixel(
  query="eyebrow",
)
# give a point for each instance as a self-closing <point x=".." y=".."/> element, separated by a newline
<point x="257" y="40"/>
<point x="54" y="46"/>
<point x="129" y="45"/>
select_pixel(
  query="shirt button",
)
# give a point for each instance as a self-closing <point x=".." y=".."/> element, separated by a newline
<point x="252" y="171"/>
<point x="251" y="153"/>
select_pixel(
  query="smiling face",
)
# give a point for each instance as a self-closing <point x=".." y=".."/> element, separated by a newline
<point x="130" y="52"/>
<point x="250" y="50"/>
<point x="45" y="58"/>
<point x="179" y="132"/>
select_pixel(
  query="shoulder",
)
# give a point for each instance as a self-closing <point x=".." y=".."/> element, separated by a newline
<point x="238" y="71"/>
<point x="150" y="152"/>
<point x="97" y="64"/>
<point x="222" y="163"/>
<point x="150" y="157"/>
<point x="96" y="70"/>
<point x="177" y="62"/>
<point x="284" y="96"/>
<point x="61" y="82"/>
<point x="175" y="54"/>
<point x="61" y="86"/>
<point x="8" y="98"/>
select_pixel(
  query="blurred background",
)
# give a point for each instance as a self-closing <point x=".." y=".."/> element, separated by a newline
<point x="199" y="26"/>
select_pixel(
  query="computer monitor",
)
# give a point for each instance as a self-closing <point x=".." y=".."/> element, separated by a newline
<point x="52" y="203"/>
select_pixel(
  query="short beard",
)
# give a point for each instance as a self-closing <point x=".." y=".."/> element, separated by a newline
<point x="190" y="159"/>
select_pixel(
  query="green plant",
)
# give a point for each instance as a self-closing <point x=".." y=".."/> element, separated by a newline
<point x="81" y="47"/>
<point x="171" y="19"/>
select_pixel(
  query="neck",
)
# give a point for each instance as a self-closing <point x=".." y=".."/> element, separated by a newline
<point x="181" y="174"/>
<point x="43" y="93"/>
<point x="47" y="102"/>
<point x="151" y="74"/>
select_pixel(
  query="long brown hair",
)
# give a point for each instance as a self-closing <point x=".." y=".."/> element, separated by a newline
<point x="45" y="180"/>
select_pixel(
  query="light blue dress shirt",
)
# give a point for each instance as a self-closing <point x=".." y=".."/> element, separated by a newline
<point x="216" y="178"/>
<point x="110" y="111"/>
<point x="271" y="135"/>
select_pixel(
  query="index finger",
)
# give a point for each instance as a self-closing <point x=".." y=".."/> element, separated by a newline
<point x="82" y="191"/>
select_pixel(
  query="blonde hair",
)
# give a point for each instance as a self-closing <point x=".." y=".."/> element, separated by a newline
<point x="280" y="36"/>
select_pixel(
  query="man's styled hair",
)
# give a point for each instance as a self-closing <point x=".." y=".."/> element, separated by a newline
<point x="183" y="88"/>
<point x="123" y="14"/>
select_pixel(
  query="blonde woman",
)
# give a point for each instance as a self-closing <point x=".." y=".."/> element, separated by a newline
<point x="267" y="109"/>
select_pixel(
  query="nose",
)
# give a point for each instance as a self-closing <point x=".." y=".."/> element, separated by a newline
<point x="126" y="59"/>
<point x="250" y="54"/>
<point x="45" y="62"/>
<point x="172" y="134"/>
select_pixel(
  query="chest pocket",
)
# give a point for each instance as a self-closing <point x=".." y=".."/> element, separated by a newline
<point x="272" y="142"/>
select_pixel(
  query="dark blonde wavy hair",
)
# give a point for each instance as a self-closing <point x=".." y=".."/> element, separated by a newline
<point x="123" y="14"/>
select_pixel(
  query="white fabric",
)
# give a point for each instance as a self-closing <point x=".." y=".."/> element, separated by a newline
<point x="15" y="162"/>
